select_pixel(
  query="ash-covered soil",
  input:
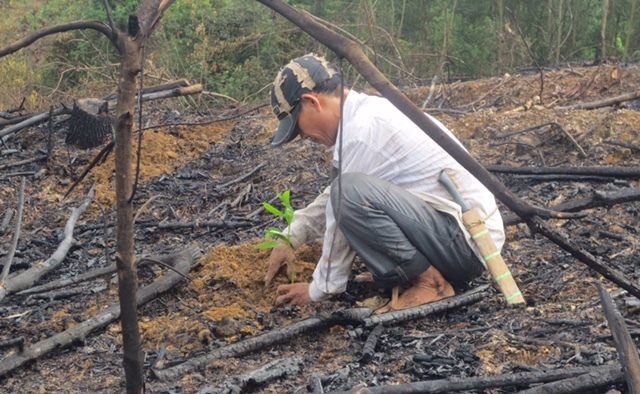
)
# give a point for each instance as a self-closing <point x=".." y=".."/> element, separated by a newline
<point x="223" y="171"/>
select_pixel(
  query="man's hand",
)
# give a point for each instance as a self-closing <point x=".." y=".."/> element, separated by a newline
<point x="280" y="256"/>
<point x="293" y="294"/>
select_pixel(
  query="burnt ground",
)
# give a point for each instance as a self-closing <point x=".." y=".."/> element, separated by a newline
<point x="196" y="173"/>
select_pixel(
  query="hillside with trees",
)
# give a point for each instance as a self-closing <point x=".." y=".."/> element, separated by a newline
<point x="232" y="47"/>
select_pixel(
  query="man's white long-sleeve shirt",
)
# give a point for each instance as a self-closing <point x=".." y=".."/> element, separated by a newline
<point x="380" y="141"/>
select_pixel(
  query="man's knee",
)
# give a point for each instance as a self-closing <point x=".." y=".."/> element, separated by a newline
<point x="350" y="187"/>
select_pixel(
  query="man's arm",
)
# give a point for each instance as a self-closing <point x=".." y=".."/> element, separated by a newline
<point x="334" y="267"/>
<point x="331" y="274"/>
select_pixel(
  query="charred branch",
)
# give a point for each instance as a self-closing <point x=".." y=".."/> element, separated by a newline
<point x="598" y="199"/>
<point x="57" y="295"/>
<point x="615" y="172"/>
<point x="6" y="218"/>
<point x="486" y="382"/>
<point x="97" y="273"/>
<point x="396" y="317"/>
<point x="626" y="346"/>
<point x="32" y="120"/>
<point x="565" y="178"/>
<point x="633" y="147"/>
<point x="181" y="83"/>
<point x="14" y="242"/>
<point x="550" y="124"/>
<point x="23" y="162"/>
<point x="27" y="278"/>
<point x="183" y="261"/>
<point x="15" y="119"/>
<point x="581" y="383"/>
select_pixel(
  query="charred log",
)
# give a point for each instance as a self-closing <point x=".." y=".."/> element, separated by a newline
<point x="90" y="124"/>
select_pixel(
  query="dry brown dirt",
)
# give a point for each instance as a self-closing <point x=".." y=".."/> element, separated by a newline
<point x="224" y="300"/>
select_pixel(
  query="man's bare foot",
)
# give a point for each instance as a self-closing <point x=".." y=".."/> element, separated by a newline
<point x="427" y="287"/>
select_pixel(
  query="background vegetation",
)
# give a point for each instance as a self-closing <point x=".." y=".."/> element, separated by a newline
<point x="234" y="47"/>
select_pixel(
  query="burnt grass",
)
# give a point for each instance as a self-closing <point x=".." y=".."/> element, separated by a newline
<point x="222" y="172"/>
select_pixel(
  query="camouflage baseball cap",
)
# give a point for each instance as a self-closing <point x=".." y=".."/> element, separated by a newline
<point x="298" y="77"/>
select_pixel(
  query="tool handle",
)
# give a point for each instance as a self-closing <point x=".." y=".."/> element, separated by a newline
<point x="492" y="257"/>
<point x="445" y="181"/>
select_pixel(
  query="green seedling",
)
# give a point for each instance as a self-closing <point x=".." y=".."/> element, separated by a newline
<point x="273" y="234"/>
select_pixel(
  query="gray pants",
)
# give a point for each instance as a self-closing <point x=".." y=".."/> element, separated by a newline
<point x="398" y="235"/>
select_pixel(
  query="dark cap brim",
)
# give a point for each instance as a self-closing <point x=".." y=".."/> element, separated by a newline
<point x="287" y="129"/>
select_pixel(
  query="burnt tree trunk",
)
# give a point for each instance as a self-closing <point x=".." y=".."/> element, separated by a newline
<point x="130" y="61"/>
<point x="130" y="46"/>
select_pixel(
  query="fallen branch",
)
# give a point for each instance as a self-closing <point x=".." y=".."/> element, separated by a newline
<point x="421" y="311"/>
<point x="287" y="367"/>
<point x="97" y="273"/>
<point x="565" y="178"/>
<point x="15" y="120"/>
<point x="616" y="172"/>
<point x="27" y="278"/>
<point x="57" y="295"/>
<point x="177" y="92"/>
<point x="14" y="242"/>
<point x="32" y="121"/>
<point x="604" y="103"/>
<point x="483" y="382"/>
<point x="180" y="83"/>
<point x="182" y="261"/>
<point x="626" y="346"/>
<point x="581" y="383"/>
<point x="22" y="162"/>
<point x="597" y="199"/>
<point x="243" y="177"/>
<point x="623" y="145"/>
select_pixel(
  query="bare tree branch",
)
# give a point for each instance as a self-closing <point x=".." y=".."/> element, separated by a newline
<point x="47" y="31"/>
<point x="150" y="14"/>
<point x="112" y="24"/>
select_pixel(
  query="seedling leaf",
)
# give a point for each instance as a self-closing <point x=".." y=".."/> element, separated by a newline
<point x="268" y="245"/>
<point x="273" y="209"/>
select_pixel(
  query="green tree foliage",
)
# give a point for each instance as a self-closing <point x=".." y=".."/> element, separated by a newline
<point x="234" y="47"/>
